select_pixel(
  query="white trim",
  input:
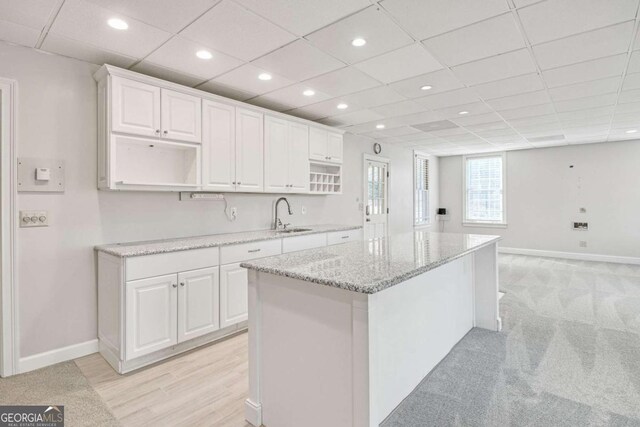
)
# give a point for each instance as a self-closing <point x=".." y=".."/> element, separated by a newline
<point x="428" y="158"/>
<point x="465" y="220"/>
<point x="8" y="254"/>
<point x="485" y="224"/>
<point x="58" y="355"/>
<point x="365" y="179"/>
<point x="572" y="255"/>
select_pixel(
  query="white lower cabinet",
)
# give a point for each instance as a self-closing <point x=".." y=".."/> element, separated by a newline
<point x="198" y="302"/>
<point x="151" y="313"/>
<point x="234" y="283"/>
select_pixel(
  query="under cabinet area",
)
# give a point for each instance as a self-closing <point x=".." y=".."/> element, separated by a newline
<point x="155" y="135"/>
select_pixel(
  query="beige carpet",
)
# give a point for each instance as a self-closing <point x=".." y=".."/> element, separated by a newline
<point x="61" y="384"/>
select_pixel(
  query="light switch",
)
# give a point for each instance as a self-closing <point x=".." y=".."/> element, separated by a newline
<point x="43" y="174"/>
<point x="34" y="219"/>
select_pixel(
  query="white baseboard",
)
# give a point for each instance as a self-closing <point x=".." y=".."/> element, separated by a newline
<point x="58" y="355"/>
<point x="252" y="413"/>
<point x="571" y="255"/>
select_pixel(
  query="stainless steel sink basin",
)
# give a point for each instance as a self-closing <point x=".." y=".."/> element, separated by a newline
<point x="294" y="230"/>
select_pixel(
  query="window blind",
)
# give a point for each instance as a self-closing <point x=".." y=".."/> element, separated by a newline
<point x="421" y="190"/>
<point x="484" y="192"/>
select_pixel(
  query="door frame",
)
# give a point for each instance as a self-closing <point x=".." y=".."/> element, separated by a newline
<point x="8" y="215"/>
<point x="365" y="179"/>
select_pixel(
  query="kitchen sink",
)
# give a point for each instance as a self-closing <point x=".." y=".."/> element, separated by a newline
<point x="293" y="230"/>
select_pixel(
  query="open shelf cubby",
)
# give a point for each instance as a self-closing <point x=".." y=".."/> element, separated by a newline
<point x="141" y="161"/>
<point x="325" y="178"/>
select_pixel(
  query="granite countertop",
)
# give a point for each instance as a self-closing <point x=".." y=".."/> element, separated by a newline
<point x="371" y="266"/>
<point x="197" y="242"/>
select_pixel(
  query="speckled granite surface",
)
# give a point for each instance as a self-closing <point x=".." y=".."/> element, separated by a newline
<point x="173" y="245"/>
<point x="374" y="265"/>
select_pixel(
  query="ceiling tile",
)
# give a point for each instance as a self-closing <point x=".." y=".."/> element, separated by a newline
<point x="553" y="19"/>
<point x="19" y="34"/>
<point x="436" y="126"/>
<point x="327" y="108"/>
<point x="532" y="111"/>
<point x="380" y="32"/>
<point x="245" y="78"/>
<point x="304" y="16"/>
<point x="356" y="117"/>
<point x="631" y="81"/>
<point x="440" y="81"/>
<point x="477" y="119"/>
<point x="293" y="96"/>
<point x="166" y="74"/>
<point x="634" y="62"/>
<point x="427" y="18"/>
<point x="581" y="90"/>
<point x="583" y="47"/>
<point x="269" y="104"/>
<point x="472" y="109"/>
<point x="402" y="131"/>
<point x="28" y="13"/>
<point x="401" y="108"/>
<point x="380" y="95"/>
<point x="511" y="86"/>
<point x="231" y="29"/>
<point x="343" y="81"/>
<point x="627" y="96"/>
<point x="495" y="68"/>
<point x="590" y="70"/>
<point x="631" y="107"/>
<point x="400" y="64"/>
<point x="585" y="103"/>
<point x="499" y="125"/>
<point x="477" y="41"/>
<point x="222" y="90"/>
<point x="87" y="23"/>
<point x="168" y="15"/>
<point x="520" y="100"/>
<point x="448" y="99"/>
<point x="411" y="119"/>
<point x="298" y="61"/>
<point x="74" y="49"/>
<point x="179" y="54"/>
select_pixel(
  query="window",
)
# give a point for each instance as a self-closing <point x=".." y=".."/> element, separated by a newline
<point x="421" y="190"/>
<point x="484" y="199"/>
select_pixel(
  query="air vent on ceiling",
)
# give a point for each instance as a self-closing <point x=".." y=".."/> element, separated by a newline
<point x="434" y="126"/>
<point x="546" y="138"/>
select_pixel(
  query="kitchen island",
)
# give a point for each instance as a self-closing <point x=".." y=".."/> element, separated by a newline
<point x="339" y="336"/>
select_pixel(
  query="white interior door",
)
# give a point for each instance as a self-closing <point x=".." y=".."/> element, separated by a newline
<point x="377" y="196"/>
<point x="198" y="302"/>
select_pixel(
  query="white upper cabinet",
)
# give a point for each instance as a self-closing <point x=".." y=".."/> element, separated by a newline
<point x="218" y="147"/>
<point x="135" y="107"/>
<point x="181" y="116"/>
<point x="325" y="146"/>
<point x="286" y="156"/>
<point x="249" y="150"/>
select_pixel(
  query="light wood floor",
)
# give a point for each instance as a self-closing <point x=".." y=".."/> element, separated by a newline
<point x="205" y="387"/>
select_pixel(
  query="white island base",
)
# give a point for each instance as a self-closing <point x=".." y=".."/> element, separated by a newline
<point x="323" y="356"/>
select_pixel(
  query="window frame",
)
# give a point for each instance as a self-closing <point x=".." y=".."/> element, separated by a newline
<point x="428" y="158"/>
<point x="479" y="223"/>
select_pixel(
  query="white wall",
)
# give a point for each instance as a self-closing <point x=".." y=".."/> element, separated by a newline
<point x="544" y="196"/>
<point x="56" y="265"/>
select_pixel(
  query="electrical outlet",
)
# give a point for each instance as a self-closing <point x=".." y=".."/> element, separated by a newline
<point x="234" y="212"/>
<point x="303" y="210"/>
<point x="583" y="244"/>
<point x="34" y="219"/>
<point x="582" y="210"/>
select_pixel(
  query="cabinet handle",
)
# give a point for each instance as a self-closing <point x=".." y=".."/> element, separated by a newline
<point x="157" y="131"/>
<point x="181" y="283"/>
<point x="175" y="285"/>
<point x="165" y="132"/>
<point x="234" y="183"/>
<point x="239" y="183"/>
<point x="253" y="250"/>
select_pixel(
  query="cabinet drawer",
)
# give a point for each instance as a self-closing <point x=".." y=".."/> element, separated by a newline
<point x="337" y="237"/>
<point x="300" y="243"/>
<point x="247" y="251"/>
<point x="172" y="262"/>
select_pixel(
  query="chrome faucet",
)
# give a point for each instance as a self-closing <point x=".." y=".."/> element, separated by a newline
<point x="278" y="223"/>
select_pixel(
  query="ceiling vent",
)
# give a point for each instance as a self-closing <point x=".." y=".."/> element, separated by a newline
<point x="434" y="126"/>
<point x="546" y="138"/>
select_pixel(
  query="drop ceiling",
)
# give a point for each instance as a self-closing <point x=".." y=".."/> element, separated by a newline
<point x="438" y="76"/>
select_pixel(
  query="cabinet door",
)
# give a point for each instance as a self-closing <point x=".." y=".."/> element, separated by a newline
<point x="234" y="282"/>
<point x="317" y="144"/>
<point x="298" y="158"/>
<point x="334" y="147"/>
<point x="135" y="107"/>
<point x="181" y="116"/>
<point x="276" y="155"/>
<point x="249" y="151"/>
<point x="198" y="303"/>
<point x="219" y="147"/>
<point x="151" y="310"/>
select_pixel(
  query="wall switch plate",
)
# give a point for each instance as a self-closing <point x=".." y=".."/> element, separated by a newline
<point x="581" y="226"/>
<point x="34" y="219"/>
<point x="33" y="175"/>
<point x="582" y="210"/>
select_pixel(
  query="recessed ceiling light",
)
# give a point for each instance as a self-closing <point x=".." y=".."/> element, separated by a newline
<point x="380" y="126"/>
<point x="118" y="24"/>
<point x="309" y="92"/>
<point x="204" y="54"/>
<point x="359" y="42"/>
<point x="265" y="76"/>
<point x="632" y="131"/>
<point x="426" y="87"/>
<point x="462" y="113"/>
<point x="342" y="106"/>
